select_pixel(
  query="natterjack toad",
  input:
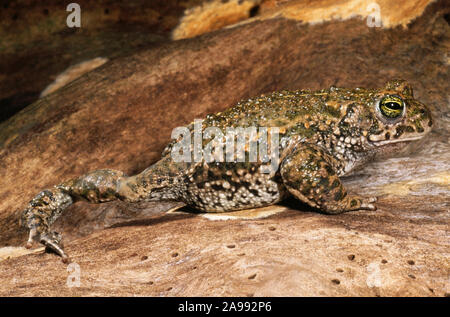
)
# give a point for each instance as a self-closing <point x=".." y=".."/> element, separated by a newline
<point x="321" y="135"/>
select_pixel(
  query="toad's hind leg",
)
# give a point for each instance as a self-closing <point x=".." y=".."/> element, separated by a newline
<point x="309" y="173"/>
<point x="95" y="187"/>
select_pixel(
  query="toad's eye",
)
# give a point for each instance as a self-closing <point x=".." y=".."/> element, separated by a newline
<point x="391" y="106"/>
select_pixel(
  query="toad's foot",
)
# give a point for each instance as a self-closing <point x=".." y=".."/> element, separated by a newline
<point x="367" y="203"/>
<point x="51" y="240"/>
<point x="354" y="202"/>
<point x="95" y="187"/>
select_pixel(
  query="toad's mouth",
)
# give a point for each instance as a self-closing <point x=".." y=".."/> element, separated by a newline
<point x="384" y="142"/>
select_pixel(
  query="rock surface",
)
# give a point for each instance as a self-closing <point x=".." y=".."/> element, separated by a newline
<point x="121" y="115"/>
<point x="36" y="45"/>
<point x="216" y="14"/>
<point x="395" y="251"/>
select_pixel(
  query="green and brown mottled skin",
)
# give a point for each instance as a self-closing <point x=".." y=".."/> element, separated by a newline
<point x="323" y="135"/>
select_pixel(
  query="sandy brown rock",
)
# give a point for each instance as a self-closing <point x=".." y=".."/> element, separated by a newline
<point x="215" y="14"/>
<point x="121" y="115"/>
<point x="294" y="253"/>
<point x="36" y="45"/>
<point x="392" y="13"/>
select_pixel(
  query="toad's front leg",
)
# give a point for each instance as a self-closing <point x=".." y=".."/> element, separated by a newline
<point x="95" y="187"/>
<point x="309" y="173"/>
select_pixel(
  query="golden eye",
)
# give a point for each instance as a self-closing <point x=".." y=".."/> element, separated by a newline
<point x="391" y="106"/>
